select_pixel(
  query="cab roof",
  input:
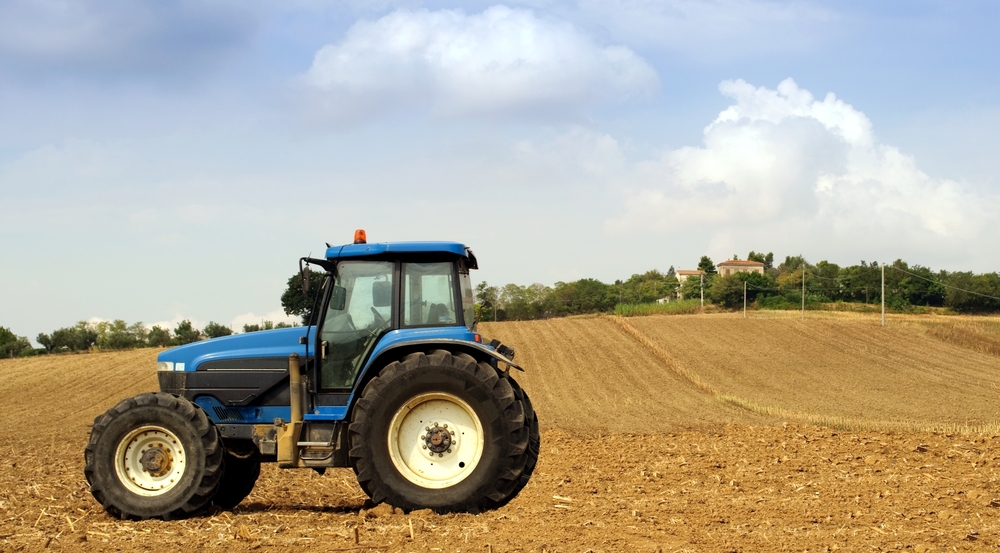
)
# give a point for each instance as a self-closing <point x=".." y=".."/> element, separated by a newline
<point x="349" y="251"/>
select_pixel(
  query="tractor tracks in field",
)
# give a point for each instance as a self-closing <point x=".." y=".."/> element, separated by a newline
<point x="778" y="413"/>
<point x="662" y="355"/>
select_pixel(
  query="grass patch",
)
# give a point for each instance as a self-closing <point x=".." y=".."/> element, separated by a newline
<point x="975" y="335"/>
<point x="679" y="307"/>
<point x="846" y="423"/>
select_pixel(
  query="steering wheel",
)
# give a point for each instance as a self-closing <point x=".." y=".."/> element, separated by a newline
<point x="379" y="319"/>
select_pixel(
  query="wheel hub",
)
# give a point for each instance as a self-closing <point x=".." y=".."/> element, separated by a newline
<point x="150" y="460"/>
<point x="156" y="460"/>
<point x="438" y="439"/>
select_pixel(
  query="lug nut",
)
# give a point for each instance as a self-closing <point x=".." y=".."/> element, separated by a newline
<point x="449" y="450"/>
<point x="445" y="426"/>
<point x="425" y="447"/>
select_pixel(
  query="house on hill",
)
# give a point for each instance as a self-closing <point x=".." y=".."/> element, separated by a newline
<point x="738" y="266"/>
<point x="685" y="274"/>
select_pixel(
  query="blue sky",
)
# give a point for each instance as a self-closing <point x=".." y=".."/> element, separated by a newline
<point x="161" y="161"/>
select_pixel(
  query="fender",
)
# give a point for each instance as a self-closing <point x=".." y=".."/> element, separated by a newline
<point x="444" y="341"/>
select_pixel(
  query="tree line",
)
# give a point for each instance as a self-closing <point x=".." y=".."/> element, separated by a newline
<point x="907" y="288"/>
<point x="117" y="335"/>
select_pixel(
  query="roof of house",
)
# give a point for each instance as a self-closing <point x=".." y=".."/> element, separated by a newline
<point x="741" y="263"/>
<point x="685" y="272"/>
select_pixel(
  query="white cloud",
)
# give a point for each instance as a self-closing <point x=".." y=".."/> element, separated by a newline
<point x="499" y="61"/>
<point x="780" y="162"/>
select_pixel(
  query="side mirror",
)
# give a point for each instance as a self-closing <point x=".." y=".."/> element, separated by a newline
<point x="381" y="293"/>
<point x="304" y="276"/>
<point x="338" y="298"/>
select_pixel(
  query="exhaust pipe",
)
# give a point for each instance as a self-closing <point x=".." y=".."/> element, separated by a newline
<point x="288" y="441"/>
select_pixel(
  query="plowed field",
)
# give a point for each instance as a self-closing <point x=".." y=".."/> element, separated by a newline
<point x="685" y="433"/>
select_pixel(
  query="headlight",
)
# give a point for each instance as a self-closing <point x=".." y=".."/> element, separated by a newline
<point x="165" y="366"/>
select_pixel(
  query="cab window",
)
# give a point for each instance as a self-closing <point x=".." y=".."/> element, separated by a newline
<point x="429" y="294"/>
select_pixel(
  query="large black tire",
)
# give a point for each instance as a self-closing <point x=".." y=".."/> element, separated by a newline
<point x="534" y="442"/>
<point x="486" y="443"/>
<point x="242" y="471"/>
<point x="155" y="455"/>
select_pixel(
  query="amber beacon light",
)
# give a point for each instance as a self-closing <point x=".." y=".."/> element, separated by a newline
<point x="359" y="237"/>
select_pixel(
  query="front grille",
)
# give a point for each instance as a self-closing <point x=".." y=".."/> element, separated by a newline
<point x="228" y="414"/>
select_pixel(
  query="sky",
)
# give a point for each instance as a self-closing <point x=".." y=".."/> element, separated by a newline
<point x="173" y="160"/>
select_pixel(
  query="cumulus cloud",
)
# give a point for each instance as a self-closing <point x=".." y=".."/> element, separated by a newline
<point x="40" y="38"/>
<point x="502" y="60"/>
<point x="782" y="160"/>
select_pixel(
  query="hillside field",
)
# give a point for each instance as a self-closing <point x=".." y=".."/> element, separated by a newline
<point x="663" y="433"/>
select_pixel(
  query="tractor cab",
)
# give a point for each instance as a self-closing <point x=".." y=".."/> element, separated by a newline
<point x="398" y="291"/>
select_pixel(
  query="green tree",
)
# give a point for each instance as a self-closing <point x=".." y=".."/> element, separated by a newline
<point x="264" y="325"/>
<point x="75" y="338"/>
<point x="158" y="337"/>
<point x="690" y="289"/>
<point x="767" y="260"/>
<point x="118" y="334"/>
<point x="46" y="341"/>
<point x="973" y="293"/>
<point x="215" y="330"/>
<point x="647" y="287"/>
<point x="487" y="301"/>
<point x="12" y="345"/>
<point x="705" y="264"/>
<point x="861" y="283"/>
<point x="296" y="302"/>
<point x="727" y="291"/>
<point x="185" y="333"/>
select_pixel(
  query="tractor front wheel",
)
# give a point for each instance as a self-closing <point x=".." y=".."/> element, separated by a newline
<point x="153" y="456"/>
<point x="440" y="431"/>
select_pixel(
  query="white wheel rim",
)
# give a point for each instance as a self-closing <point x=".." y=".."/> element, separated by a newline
<point x="150" y="461"/>
<point x="409" y="433"/>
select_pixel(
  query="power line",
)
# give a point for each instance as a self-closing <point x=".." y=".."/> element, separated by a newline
<point x="943" y="284"/>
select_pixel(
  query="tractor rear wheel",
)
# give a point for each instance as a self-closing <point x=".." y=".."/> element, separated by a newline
<point x="155" y="455"/>
<point x="440" y="431"/>
<point x="242" y="471"/>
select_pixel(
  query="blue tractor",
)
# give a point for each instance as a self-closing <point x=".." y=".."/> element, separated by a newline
<point x="390" y="378"/>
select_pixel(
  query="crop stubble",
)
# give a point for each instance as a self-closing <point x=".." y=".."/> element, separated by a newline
<point x="635" y="457"/>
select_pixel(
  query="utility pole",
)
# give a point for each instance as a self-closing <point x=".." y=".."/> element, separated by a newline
<point x="883" y="293"/>
<point x="803" y="292"/>
<point x="702" y="292"/>
<point x="744" y="299"/>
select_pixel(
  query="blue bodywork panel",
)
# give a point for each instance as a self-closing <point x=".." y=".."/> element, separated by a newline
<point x="280" y="342"/>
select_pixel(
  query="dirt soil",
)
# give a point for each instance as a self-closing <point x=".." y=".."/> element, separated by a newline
<point x="636" y="456"/>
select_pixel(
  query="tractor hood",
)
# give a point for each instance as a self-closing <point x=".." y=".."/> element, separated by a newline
<point x="265" y="344"/>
